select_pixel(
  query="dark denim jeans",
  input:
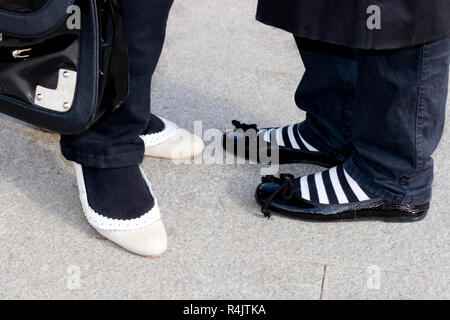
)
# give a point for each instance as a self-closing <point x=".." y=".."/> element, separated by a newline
<point x="381" y="111"/>
<point x="114" y="141"/>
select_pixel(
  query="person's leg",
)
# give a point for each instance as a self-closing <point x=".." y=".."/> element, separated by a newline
<point x="114" y="141"/>
<point x="399" y="119"/>
<point x="116" y="196"/>
<point x="326" y="93"/>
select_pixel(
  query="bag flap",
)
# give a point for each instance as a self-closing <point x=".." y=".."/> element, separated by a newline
<point x="37" y="23"/>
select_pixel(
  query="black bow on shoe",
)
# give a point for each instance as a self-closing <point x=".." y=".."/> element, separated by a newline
<point x="286" y="186"/>
<point x="245" y="127"/>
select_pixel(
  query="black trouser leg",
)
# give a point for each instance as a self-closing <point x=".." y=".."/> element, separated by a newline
<point x="114" y="141"/>
<point x="326" y="93"/>
<point x="398" y="120"/>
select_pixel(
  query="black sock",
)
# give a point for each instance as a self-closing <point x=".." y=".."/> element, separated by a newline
<point x="155" y="125"/>
<point x="120" y="193"/>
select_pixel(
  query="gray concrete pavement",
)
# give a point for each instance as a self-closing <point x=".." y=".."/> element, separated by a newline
<point x="218" y="65"/>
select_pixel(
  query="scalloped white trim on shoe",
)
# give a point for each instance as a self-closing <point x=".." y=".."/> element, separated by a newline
<point x="173" y="143"/>
<point x="103" y="223"/>
<point x="153" y="139"/>
<point x="145" y="236"/>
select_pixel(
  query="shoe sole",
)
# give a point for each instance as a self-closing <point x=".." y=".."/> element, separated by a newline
<point x="304" y="157"/>
<point x="152" y="256"/>
<point x="171" y="158"/>
<point x="353" y="216"/>
<point x="167" y="158"/>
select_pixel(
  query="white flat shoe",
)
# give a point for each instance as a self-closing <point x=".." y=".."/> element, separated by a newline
<point x="145" y="236"/>
<point x="149" y="241"/>
<point x="173" y="143"/>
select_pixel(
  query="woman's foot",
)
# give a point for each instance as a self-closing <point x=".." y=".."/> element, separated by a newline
<point x="165" y="140"/>
<point x="291" y="145"/>
<point x="330" y="196"/>
<point x="120" y="205"/>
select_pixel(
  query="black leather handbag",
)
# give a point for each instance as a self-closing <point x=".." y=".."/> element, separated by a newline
<point x="63" y="63"/>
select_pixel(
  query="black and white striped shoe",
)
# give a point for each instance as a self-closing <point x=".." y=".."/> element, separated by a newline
<point x="329" y="196"/>
<point x="249" y="142"/>
<point x="120" y="205"/>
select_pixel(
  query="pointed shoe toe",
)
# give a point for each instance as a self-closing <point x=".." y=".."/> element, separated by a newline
<point x="275" y="196"/>
<point x="149" y="241"/>
<point x="180" y="145"/>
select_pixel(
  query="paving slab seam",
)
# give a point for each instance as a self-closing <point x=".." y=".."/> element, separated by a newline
<point x="245" y="253"/>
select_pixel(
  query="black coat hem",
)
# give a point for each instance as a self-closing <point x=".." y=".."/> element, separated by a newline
<point x="347" y="26"/>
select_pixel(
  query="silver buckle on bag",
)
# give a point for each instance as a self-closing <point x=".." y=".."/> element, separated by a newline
<point x="19" y="54"/>
<point x="60" y="99"/>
